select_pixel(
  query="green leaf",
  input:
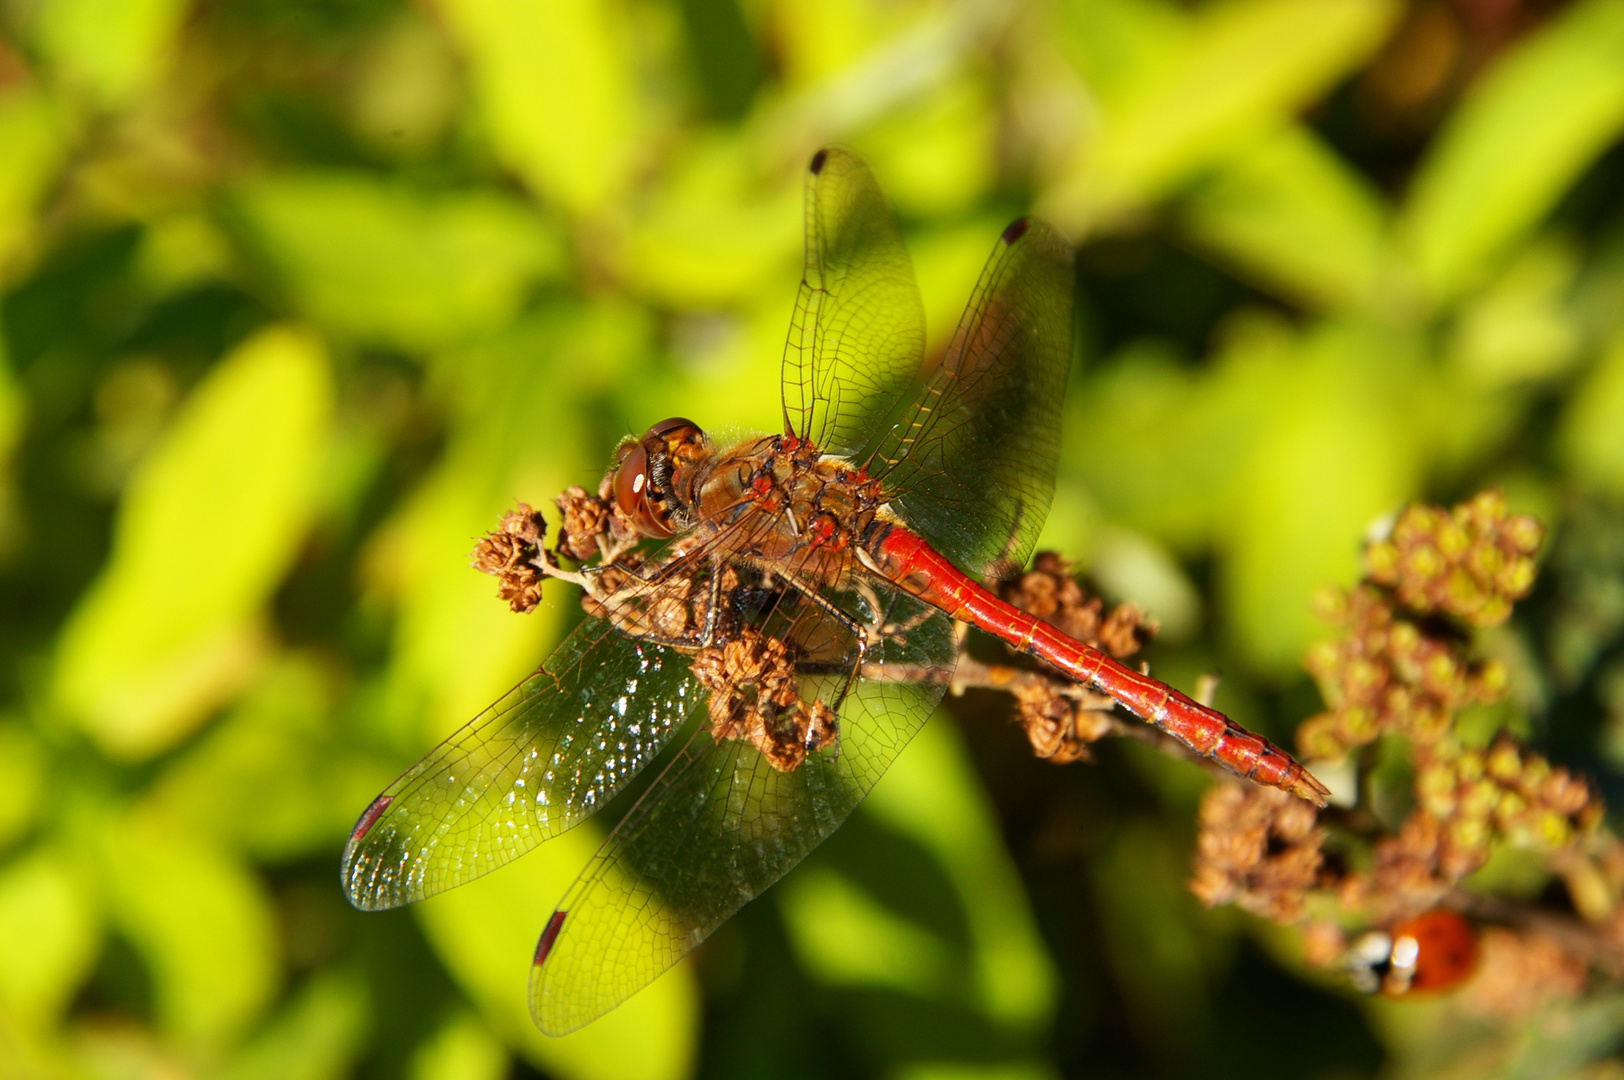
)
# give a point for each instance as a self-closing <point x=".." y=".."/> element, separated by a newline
<point x="201" y="922"/>
<point x="463" y="1049"/>
<point x="1243" y="68"/>
<point x="485" y="933"/>
<point x="713" y="233"/>
<point x="555" y="89"/>
<point x="1521" y="138"/>
<point x="32" y="147"/>
<point x="1520" y="329"/>
<point x="1589" y="438"/>
<point x="932" y="796"/>
<point x="209" y="523"/>
<point x="318" y="1036"/>
<point x="112" y="49"/>
<point x="272" y="777"/>
<point x="22" y="779"/>
<point x="1295" y="218"/>
<point x="50" y="930"/>
<point x="376" y="260"/>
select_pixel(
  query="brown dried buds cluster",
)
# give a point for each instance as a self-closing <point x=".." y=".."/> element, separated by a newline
<point x="1471" y="562"/>
<point x="754" y="696"/>
<point x="1050" y="592"/>
<point x="1059" y="724"/>
<point x="509" y="553"/>
<point x="593" y="525"/>
<point x="1259" y="849"/>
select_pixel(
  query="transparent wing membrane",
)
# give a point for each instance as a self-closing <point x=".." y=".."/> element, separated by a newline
<point x="971" y="467"/>
<point x="721" y="824"/>
<point x="544" y="757"/>
<point x="857" y="334"/>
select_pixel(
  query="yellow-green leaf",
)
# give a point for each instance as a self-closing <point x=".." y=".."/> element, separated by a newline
<point x="1507" y="154"/>
<point x="31" y="145"/>
<point x="485" y="933"/>
<point x="554" y="86"/>
<point x="316" y="1037"/>
<point x="49" y="931"/>
<point x="112" y="49"/>
<point x="200" y="921"/>
<point x="382" y="262"/>
<point x="1290" y="214"/>
<point x="208" y="525"/>
<point x="1591" y="436"/>
<point x="1243" y="68"/>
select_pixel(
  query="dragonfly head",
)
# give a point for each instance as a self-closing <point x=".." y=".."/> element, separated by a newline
<point x="655" y="482"/>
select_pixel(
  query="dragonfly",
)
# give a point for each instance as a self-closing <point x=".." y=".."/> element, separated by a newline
<point x="789" y="621"/>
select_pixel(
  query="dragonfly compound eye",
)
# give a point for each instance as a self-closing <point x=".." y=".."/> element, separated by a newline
<point x="632" y="490"/>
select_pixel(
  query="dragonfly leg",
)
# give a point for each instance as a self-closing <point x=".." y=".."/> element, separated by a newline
<point x="859" y="632"/>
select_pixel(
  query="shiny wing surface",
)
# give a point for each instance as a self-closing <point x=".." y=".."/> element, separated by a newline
<point x="545" y="756"/>
<point x="857" y="336"/>
<point x="971" y="467"/>
<point x="720" y="825"/>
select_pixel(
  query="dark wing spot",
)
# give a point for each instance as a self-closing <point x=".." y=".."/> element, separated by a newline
<point x="817" y="161"/>
<point x="1016" y="229"/>
<point x="548" y="936"/>
<point x="369" y="816"/>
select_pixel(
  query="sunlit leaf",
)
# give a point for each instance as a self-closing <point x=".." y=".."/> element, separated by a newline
<point x="1243" y="68"/>
<point x="1291" y="215"/>
<point x="271" y="777"/>
<point x="555" y="89"/>
<point x="463" y="1049"/>
<point x="1524" y="133"/>
<point x="931" y="796"/>
<point x="31" y="145"/>
<point x="714" y="233"/>
<point x="22" y="779"/>
<point x="208" y="524"/>
<point x="316" y="1037"/>
<point x="1520" y="328"/>
<point x="1589" y="436"/>
<point x="382" y="262"/>
<point x="200" y="921"/>
<point x="846" y="938"/>
<point x="113" y="50"/>
<point x="485" y="932"/>
<point x="937" y="155"/>
<point x="50" y="927"/>
<point x="1333" y="447"/>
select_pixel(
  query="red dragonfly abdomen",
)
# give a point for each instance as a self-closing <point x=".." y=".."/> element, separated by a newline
<point x="913" y="565"/>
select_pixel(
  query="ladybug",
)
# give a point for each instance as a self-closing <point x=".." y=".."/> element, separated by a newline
<point x="1432" y="951"/>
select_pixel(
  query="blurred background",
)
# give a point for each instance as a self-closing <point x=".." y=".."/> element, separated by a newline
<point x="298" y="296"/>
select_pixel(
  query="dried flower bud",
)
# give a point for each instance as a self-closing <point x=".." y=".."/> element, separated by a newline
<point x="1259" y="849"/>
<point x="1049" y="592"/>
<point x="508" y="553"/>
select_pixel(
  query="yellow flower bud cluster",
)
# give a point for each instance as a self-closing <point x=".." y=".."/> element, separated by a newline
<point x="1386" y="674"/>
<point x="1471" y="562"/>
<point x="1504" y="793"/>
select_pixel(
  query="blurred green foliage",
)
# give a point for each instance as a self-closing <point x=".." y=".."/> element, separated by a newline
<point x="297" y="296"/>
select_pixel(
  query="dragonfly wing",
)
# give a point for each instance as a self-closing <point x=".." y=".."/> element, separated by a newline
<point x="544" y="757"/>
<point x="857" y="336"/>
<point x="971" y="467"/>
<point x="720" y="825"/>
